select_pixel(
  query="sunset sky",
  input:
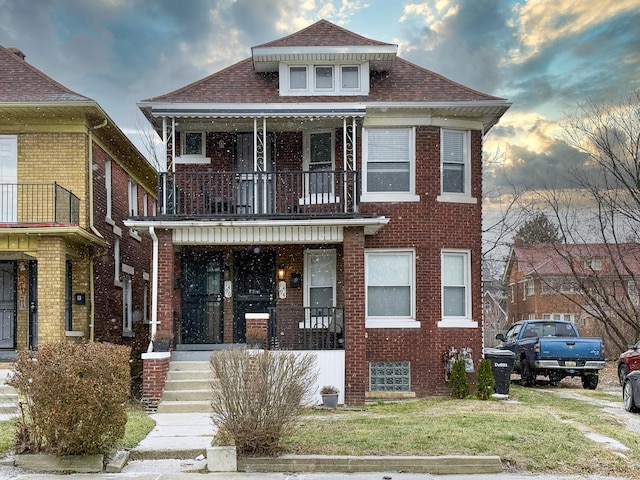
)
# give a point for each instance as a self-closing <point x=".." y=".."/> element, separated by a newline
<point x="544" y="56"/>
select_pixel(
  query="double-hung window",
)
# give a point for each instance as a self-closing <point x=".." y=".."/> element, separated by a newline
<point x="133" y="198"/>
<point x="320" y="288"/>
<point x="456" y="289"/>
<point x="319" y="159"/>
<point x="193" y="148"/>
<point x="390" y="288"/>
<point x="389" y="164"/>
<point x="455" y="179"/>
<point x="127" y="309"/>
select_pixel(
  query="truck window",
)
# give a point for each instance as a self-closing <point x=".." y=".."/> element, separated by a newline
<point x="553" y="329"/>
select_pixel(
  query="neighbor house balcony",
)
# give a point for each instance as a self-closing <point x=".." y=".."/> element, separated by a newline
<point x="275" y="194"/>
<point x="48" y="204"/>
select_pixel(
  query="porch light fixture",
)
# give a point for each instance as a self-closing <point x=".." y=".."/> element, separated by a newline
<point x="281" y="271"/>
<point x="221" y="144"/>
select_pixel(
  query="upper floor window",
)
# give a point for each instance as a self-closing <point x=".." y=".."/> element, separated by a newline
<point x="319" y="148"/>
<point x="593" y="264"/>
<point x="322" y="79"/>
<point x="133" y="198"/>
<point x="193" y="143"/>
<point x="455" y="158"/>
<point x="388" y="166"/>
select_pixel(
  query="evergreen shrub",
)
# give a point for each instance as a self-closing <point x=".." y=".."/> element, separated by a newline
<point x="458" y="381"/>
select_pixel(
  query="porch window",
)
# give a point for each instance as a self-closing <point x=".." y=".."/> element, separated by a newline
<point x="456" y="289"/>
<point x="390" y="289"/>
<point x="193" y="143"/>
<point x="389" y="164"/>
<point x="320" y="287"/>
<point x="455" y="165"/>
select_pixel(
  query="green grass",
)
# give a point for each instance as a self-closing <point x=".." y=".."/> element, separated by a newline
<point x="539" y="432"/>
<point x="139" y="424"/>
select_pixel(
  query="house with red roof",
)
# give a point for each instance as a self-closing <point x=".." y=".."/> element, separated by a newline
<point x="582" y="283"/>
<point x="69" y="177"/>
<point x="326" y="194"/>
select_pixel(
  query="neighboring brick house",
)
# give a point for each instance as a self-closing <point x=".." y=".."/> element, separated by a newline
<point x="69" y="267"/>
<point x="328" y="192"/>
<point x="554" y="280"/>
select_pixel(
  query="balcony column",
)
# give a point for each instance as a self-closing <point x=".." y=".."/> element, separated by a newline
<point x="349" y="162"/>
<point x="356" y="371"/>
<point x="51" y="289"/>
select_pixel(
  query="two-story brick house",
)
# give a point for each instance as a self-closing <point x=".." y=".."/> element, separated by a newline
<point x="329" y="192"/>
<point x="69" y="267"/>
<point x="574" y="282"/>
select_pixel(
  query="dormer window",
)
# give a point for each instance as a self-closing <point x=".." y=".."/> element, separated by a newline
<point x="323" y="79"/>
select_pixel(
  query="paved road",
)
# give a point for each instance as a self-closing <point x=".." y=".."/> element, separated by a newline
<point x="10" y="474"/>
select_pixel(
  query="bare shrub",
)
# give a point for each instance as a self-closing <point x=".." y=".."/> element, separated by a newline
<point x="258" y="397"/>
<point x="74" y="395"/>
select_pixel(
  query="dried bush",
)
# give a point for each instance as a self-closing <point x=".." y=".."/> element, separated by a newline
<point x="486" y="382"/>
<point x="74" y="395"/>
<point x="257" y="397"/>
<point x="458" y="381"/>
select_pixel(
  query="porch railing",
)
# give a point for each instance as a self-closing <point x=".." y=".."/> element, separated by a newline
<point x="276" y="193"/>
<point x="306" y="328"/>
<point x="38" y="203"/>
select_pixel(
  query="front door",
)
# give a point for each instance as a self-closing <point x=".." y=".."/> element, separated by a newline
<point x="202" y="276"/>
<point x="7" y="304"/>
<point x="254" y="181"/>
<point x="255" y="285"/>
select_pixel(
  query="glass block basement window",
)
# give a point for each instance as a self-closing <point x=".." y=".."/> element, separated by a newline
<point x="390" y="376"/>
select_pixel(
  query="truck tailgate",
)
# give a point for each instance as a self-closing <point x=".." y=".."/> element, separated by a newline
<point x="570" y="348"/>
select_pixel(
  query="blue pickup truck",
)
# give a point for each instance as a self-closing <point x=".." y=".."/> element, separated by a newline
<point x="553" y="348"/>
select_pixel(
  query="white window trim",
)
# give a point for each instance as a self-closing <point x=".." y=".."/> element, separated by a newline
<point x="331" y="254"/>
<point x="327" y="90"/>
<point x="116" y="260"/>
<point x="409" y="196"/>
<point x="200" y="159"/>
<point x="325" y="198"/>
<point x="145" y="208"/>
<point x="465" y="321"/>
<point x="394" y="322"/>
<point x="451" y="197"/>
<point x="107" y="185"/>
<point x="133" y="198"/>
<point x="127" y="307"/>
<point x="311" y="90"/>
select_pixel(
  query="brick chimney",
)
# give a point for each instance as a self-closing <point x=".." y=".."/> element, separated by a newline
<point x="17" y="51"/>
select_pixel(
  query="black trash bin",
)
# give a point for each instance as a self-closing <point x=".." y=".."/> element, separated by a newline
<point x="501" y="366"/>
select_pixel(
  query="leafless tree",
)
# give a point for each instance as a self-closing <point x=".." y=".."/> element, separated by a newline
<point x="603" y="208"/>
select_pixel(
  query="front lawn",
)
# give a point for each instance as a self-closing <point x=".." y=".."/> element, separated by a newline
<point x="536" y="431"/>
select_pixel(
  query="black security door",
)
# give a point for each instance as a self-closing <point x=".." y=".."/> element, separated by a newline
<point x="7" y="304"/>
<point x="254" y="285"/>
<point x="202" y="278"/>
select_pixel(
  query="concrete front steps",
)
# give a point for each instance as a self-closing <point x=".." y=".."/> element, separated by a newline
<point x="187" y="388"/>
<point x="8" y="397"/>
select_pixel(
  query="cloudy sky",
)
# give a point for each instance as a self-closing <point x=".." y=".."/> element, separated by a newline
<point x="544" y="56"/>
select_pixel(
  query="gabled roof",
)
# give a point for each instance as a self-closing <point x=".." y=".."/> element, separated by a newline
<point x="322" y="33"/>
<point x="21" y="82"/>
<point x="564" y="259"/>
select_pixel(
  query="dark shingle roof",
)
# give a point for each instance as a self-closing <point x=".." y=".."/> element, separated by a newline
<point x="323" y="34"/>
<point x="404" y="82"/>
<point x="20" y="82"/>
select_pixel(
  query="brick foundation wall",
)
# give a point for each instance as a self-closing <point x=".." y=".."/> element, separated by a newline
<point x="154" y="374"/>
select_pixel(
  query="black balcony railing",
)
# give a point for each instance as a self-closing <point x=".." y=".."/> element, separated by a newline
<point x="258" y="193"/>
<point x="38" y="203"/>
<point x="306" y="328"/>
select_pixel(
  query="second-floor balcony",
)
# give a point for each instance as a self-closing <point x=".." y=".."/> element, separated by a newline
<point x="263" y="194"/>
<point x="48" y="204"/>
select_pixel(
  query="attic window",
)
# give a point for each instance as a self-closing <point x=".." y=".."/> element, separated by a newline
<point x="323" y="79"/>
<point x="594" y="264"/>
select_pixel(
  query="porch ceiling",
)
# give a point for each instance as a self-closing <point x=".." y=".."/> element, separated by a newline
<point x="259" y="232"/>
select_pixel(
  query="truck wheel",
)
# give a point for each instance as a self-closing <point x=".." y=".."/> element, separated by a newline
<point x="554" y="378"/>
<point x="527" y="377"/>
<point x="590" y="381"/>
